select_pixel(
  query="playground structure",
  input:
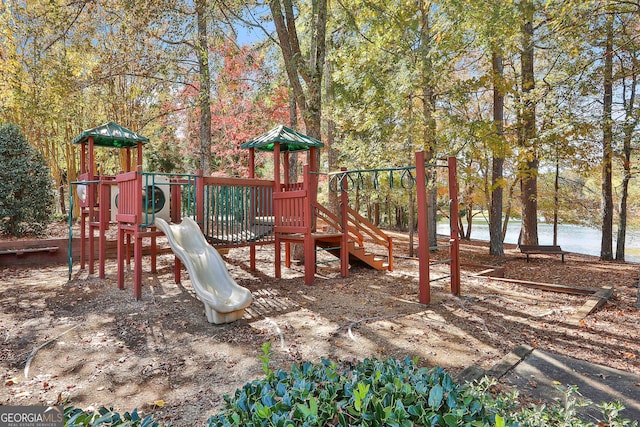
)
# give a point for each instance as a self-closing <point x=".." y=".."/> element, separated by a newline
<point x="235" y="212"/>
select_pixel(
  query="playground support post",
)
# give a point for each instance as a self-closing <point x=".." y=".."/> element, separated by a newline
<point x="200" y="198"/>
<point x="454" y="249"/>
<point x="344" y="220"/>
<point x="103" y="218"/>
<point x="252" y="174"/>
<point x="424" y="293"/>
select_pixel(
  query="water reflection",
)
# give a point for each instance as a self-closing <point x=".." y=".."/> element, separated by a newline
<point x="572" y="238"/>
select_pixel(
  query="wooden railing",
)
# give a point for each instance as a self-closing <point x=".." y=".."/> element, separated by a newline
<point x="358" y="227"/>
<point x="129" y="197"/>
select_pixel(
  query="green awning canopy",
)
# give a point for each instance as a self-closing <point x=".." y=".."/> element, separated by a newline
<point x="111" y="135"/>
<point x="289" y="140"/>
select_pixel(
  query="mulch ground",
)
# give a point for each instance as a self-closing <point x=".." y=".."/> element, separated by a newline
<point x="86" y="341"/>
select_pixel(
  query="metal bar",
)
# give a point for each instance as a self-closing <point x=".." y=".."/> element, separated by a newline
<point x="327" y="262"/>
<point x="329" y="249"/>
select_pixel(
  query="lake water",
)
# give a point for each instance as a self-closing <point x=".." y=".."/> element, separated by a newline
<point x="572" y="238"/>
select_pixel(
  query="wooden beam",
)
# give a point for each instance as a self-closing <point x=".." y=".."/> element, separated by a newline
<point x="548" y="286"/>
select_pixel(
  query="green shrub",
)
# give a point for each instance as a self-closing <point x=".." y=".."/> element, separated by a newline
<point x="388" y="393"/>
<point x="75" y="417"/>
<point x="369" y="393"/>
<point x="26" y="195"/>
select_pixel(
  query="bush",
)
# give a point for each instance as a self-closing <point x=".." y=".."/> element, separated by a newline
<point x="26" y="195"/>
<point x="369" y="393"/>
<point x="75" y="417"/>
<point x="388" y="393"/>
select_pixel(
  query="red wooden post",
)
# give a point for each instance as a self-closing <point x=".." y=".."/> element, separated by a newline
<point x="276" y="166"/>
<point x="83" y="228"/>
<point x="309" y="244"/>
<point x="454" y="249"/>
<point x="177" y="266"/>
<point x="103" y="218"/>
<point x="176" y="210"/>
<point x="83" y="237"/>
<point x="252" y="174"/>
<point x="344" y="223"/>
<point x="121" y="254"/>
<point x="286" y="181"/>
<point x="137" y="261"/>
<point x="137" y="239"/>
<point x="200" y="197"/>
<point x="285" y="166"/>
<point x="276" y="208"/>
<point x="154" y="254"/>
<point x="139" y="159"/>
<point x="313" y="181"/>
<point x="424" y="295"/>
<point x="92" y="160"/>
<point x="91" y="198"/>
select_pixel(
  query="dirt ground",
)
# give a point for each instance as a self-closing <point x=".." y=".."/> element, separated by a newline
<point x="86" y="341"/>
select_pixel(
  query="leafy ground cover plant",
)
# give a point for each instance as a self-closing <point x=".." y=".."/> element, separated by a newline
<point x="103" y="417"/>
<point x="368" y="393"/>
<point x="394" y="393"/>
<point x="388" y="393"/>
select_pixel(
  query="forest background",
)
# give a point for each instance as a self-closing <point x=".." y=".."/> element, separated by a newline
<point x="536" y="99"/>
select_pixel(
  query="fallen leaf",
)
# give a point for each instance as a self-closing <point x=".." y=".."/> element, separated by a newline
<point x="11" y="381"/>
<point x="159" y="403"/>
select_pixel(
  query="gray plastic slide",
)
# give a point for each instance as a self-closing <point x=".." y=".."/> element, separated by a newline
<point x="224" y="300"/>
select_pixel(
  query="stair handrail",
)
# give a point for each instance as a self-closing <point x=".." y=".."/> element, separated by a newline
<point x="363" y="226"/>
<point x="333" y="221"/>
<point x="358" y="227"/>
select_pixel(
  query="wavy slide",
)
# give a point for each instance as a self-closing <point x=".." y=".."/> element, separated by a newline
<point x="224" y="300"/>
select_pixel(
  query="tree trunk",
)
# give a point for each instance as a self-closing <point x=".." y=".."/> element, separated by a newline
<point x="622" y="226"/>
<point x="204" y="94"/>
<point x="376" y="213"/>
<point x="428" y="103"/>
<point x="309" y="102"/>
<point x="606" y="248"/>
<point x="469" y="221"/>
<point x="631" y="121"/>
<point x="529" y="167"/>
<point x="293" y="124"/>
<point x="333" y="199"/>
<point x="507" y="212"/>
<point x="495" y="213"/>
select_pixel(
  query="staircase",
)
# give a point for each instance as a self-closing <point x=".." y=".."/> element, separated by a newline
<point x="358" y="228"/>
<point x="356" y="254"/>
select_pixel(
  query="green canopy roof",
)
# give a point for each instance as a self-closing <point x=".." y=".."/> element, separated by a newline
<point x="289" y="140"/>
<point x="111" y="135"/>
